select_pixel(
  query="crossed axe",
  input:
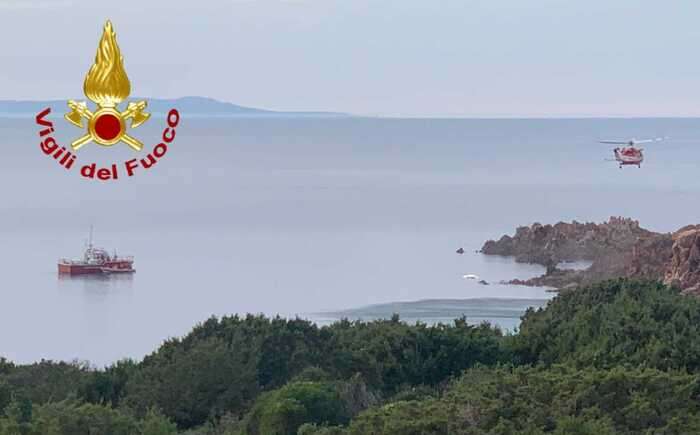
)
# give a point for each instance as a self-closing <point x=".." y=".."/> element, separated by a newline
<point x="134" y="111"/>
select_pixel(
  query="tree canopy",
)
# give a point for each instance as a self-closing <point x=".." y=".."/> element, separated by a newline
<point x="620" y="356"/>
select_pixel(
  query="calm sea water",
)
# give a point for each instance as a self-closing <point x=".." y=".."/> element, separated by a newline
<point x="300" y="216"/>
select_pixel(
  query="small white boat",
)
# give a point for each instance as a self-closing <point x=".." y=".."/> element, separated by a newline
<point x="470" y="276"/>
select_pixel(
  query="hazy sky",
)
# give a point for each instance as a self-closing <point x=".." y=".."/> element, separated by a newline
<point x="375" y="57"/>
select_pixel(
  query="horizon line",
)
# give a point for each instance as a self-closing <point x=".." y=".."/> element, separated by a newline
<point x="399" y="116"/>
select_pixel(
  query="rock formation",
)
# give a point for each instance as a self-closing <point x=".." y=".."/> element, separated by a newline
<point x="683" y="268"/>
<point x="553" y="244"/>
<point x="617" y="248"/>
<point x="649" y="257"/>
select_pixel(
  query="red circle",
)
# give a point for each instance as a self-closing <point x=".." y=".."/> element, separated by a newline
<point x="108" y="126"/>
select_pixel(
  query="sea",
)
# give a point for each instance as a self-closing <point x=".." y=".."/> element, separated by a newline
<point x="321" y="218"/>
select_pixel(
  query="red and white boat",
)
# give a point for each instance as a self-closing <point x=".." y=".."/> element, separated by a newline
<point x="96" y="261"/>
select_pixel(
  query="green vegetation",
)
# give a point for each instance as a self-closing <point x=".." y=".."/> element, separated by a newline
<point x="615" y="323"/>
<point x="618" y="357"/>
<point x="558" y="400"/>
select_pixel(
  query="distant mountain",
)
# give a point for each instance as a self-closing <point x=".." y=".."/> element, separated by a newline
<point x="192" y="106"/>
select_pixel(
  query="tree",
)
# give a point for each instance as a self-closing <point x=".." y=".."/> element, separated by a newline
<point x="155" y="423"/>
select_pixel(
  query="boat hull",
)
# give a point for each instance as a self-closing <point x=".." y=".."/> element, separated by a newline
<point x="96" y="261"/>
<point x="75" y="268"/>
<point x="114" y="270"/>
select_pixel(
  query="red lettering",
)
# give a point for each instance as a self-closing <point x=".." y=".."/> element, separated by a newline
<point x="88" y="171"/>
<point x="41" y="121"/>
<point x="174" y="114"/>
<point x="65" y="158"/>
<point x="58" y="153"/>
<point x="49" y="145"/>
<point x="160" y="150"/>
<point x="148" y="162"/>
<point x="70" y="162"/>
<point x="130" y="166"/>
<point x="103" y="174"/>
<point x="166" y="138"/>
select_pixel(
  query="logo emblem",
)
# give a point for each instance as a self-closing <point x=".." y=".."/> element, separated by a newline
<point x="107" y="85"/>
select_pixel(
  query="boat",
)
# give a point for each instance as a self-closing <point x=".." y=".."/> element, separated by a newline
<point x="96" y="261"/>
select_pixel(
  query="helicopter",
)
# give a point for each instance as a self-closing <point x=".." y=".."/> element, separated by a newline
<point x="629" y="154"/>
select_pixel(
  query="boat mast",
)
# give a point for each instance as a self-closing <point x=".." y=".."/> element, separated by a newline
<point x="90" y="240"/>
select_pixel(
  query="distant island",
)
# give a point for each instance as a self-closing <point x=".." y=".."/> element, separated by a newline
<point x="192" y="106"/>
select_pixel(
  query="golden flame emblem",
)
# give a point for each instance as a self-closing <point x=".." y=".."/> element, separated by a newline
<point x="107" y="85"/>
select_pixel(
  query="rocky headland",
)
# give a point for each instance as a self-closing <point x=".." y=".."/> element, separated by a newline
<point x="617" y="248"/>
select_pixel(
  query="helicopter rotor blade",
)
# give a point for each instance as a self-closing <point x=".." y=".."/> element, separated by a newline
<point x="614" y="142"/>
<point x="658" y="139"/>
<point x="632" y="141"/>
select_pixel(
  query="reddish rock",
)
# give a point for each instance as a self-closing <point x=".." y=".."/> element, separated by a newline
<point x="683" y="269"/>
<point x="617" y="248"/>
<point x="575" y="241"/>
<point x="650" y="257"/>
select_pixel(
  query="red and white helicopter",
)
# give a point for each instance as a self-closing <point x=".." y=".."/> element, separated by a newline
<point x="629" y="154"/>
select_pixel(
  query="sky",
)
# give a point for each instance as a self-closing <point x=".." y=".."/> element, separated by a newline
<point x="400" y="58"/>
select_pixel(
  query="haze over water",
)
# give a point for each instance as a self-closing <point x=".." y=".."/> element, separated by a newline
<point x="297" y="216"/>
